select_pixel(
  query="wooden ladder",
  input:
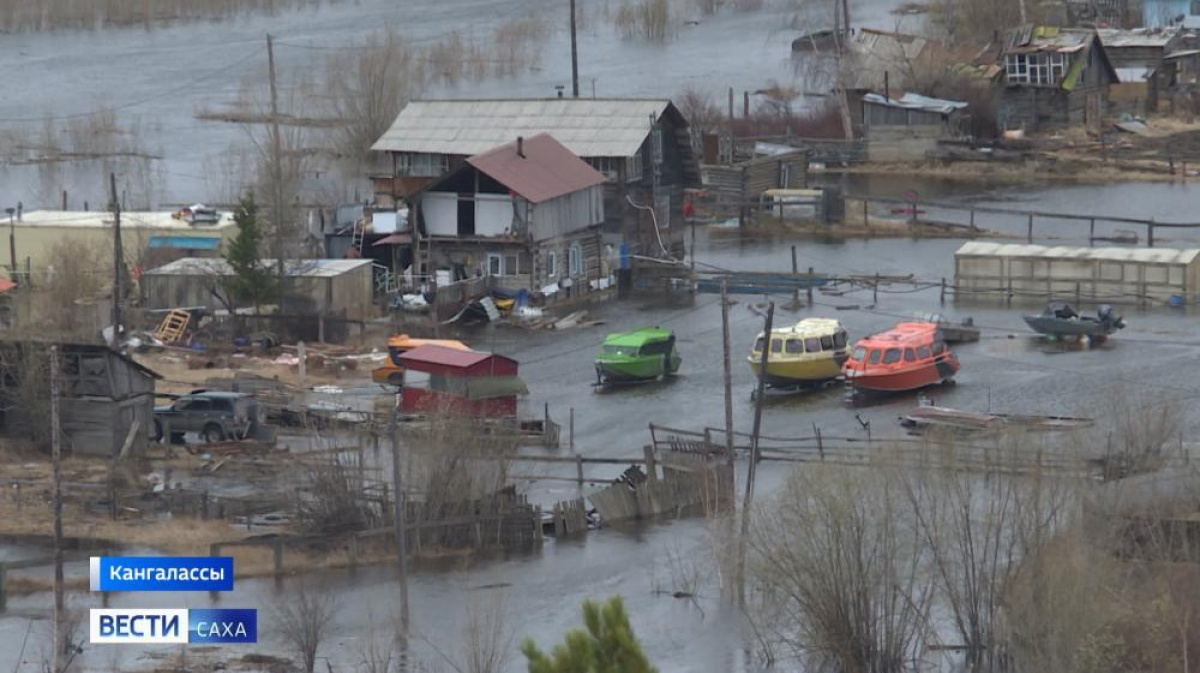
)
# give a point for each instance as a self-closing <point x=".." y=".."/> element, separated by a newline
<point x="357" y="235"/>
<point x="173" y="326"/>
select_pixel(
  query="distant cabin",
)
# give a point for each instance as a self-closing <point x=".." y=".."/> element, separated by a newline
<point x="1053" y="78"/>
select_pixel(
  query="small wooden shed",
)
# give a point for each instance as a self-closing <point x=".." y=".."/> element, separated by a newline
<point x="106" y="398"/>
<point x="440" y="380"/>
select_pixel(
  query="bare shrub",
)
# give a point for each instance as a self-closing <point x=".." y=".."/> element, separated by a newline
<point x="648" y="20"/>
<point x="332" y="499"/>
<point x="841" y="568"/>
<point x="65" y="296"/>
<point x="700" y="110"/>
<point x="370" y="86"/>
<point x="304" y="616"/>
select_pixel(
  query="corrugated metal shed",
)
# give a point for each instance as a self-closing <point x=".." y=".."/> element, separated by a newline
<point x="538" y="168"/>
<point x="588" y="127"/>
<point x="1143" y="255"/>
<point x="300" y="268"/>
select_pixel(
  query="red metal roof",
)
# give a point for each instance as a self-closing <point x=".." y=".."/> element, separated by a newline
<point x="455" y="359"/>
<point x="547" y="170"/>
<point x="6" y="285"/>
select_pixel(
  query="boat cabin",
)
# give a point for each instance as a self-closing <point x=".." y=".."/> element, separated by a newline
<point x="392" y="371"/>
<point x="441" y="380"/>
<point x="811" y="336"/>
<point x="909" y="356"/>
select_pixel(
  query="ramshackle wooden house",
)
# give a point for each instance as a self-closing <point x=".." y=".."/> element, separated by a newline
<point x="526" y="213"/>
<point x="1052" y="78"/>
<point x="106" y="399"/>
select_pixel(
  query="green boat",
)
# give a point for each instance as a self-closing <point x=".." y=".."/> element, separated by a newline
<point x="641" y="355"/>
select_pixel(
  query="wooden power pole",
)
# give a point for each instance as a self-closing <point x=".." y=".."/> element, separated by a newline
<point x="118" y="262"/>
<point x="728" y="372"/>
<point x="56" y="456"/>
<point x="400" y="524"/>
<point x="574" y="54"/>
<point x="276" y="163"/>
<point x="752" y="468"/>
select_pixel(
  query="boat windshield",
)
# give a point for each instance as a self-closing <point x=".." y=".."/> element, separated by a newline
<point x="758" y="345"/>
<point x="859" y="353"/>
<point x="891" y="356"/>
<point x="620" y="350"/>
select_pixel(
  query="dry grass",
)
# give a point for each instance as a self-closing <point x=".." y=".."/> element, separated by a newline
<point x="51" y="15"/>
<point x="648" y="20"/>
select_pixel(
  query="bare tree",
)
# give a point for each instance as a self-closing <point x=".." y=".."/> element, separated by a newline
<point x="304" y="616"/>
<point x="843" y="568"/>
<point x="486" y="640"/>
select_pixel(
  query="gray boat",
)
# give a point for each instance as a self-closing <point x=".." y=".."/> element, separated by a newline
<point x="1059" y="321"/>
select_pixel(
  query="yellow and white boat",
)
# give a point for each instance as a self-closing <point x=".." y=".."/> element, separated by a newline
<point x="808" y="353"/>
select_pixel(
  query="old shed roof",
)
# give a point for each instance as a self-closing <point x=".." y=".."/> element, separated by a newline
<point x="1153" y="38"/>
<point x="301" y="268"/>
<point x="589" y="127"/>
<point x="1142" y="255"/>
<point x="1032" y="39"/>
<point x="538" y="168"/>
<point x="913" y="101"/>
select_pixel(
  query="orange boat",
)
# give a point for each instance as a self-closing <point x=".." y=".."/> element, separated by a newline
<point x="909" y="356"/>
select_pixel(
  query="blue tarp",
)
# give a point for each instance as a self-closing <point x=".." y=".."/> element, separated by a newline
<point x="185" y="242"/>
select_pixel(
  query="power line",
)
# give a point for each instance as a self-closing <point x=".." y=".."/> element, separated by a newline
<point x="137" y="103"/>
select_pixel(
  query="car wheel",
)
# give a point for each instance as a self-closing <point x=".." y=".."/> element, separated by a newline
<point x="212" y="433"/>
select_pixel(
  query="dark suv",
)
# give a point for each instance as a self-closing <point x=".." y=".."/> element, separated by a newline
<point x="214" y="416"/>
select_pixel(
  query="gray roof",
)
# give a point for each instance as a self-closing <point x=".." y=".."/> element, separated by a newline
<point x="589" y="127"/>
<point x="913" y="101"/>
<point x="302" y="268"/>
<point x="1143" y="255"/>
<point x="1159" y="38"/>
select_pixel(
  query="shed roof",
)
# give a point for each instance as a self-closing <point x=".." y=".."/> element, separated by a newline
<point x="129" y="220"/>
<point x="1142" y="255"/>
<point x="538" y="168"/>
<point x="1154" y="38"/>
<point x="67" y="347"/>
<point x="589" y="127"/>
<point x="872" y="53"/>
<point x="1031" y="39"/>
<point x="913" y="101"/>
<point x="449" y="357"/>
<point x="300" y="268"/>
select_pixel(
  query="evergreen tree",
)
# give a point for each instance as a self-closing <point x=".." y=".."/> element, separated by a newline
<point x="251" y="282"/>
<point x="607" y="646"/>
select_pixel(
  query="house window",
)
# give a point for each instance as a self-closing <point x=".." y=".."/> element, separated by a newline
<point x="633" y="167"/>
<point x="575" y="261"/>
<point x="1194" y="10"/>
<point x="512" y="265"/>
<point x="657" y="143"/>
<point x="551" y="263"/>
<point x="422" y="165"/>
<point x="495" y="264"/>
<point x="1038" y="69"/>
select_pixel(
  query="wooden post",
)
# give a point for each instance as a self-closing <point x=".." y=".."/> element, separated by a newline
<point x="728" y="373"/>
<point x="538" y="533"/>
<point x="1010" y="291"/>
<point x="399" y="523"/>
<point x="820" y="442"/>
<point x="875" y="293"/>
<point x="1077" y="293"/>
<point x="866" y="217"/>
<point x="1029" y="232"/>
<point x="795" y="290"/>
<point x="353" y="550"/>
<point x="321" y="328"/>
<point x="572" y="435"/>
<point x="1091" y="232"/>
<point x="277" y="549"/>
<point x="942" y="299"/>
<point x="1171" y="163"/>
<point x="972" y="219"/>
<point x="118" y="264"/>
<point x="59" y="644"/>
<point x="4" y="571"/>
<point x="1150" y="234"/>
<point x="651" y="462"/>
<point x="579" y="469"/>
<point x="693" y="251"/>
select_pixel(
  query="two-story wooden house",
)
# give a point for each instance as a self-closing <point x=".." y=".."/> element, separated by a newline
<point x="1052" y="78"/>
<point x="526" y="213"/>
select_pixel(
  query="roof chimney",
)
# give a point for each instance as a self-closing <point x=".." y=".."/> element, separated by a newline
<point x="521" y="146"/>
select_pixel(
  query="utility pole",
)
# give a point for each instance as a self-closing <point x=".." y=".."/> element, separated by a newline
<point x="574" y="55"/>
<point x="401" y="541"/>
<point x="118" y="262"/>
<point x="56" y="457"/>
<point x="728" y="372"/>
<point x="12" y="245"/>
<point x="276" y="163"/>
<point x="760" y="393"/>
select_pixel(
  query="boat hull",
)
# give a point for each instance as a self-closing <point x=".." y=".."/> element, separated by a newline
<point x="635" y="369"/>
<point x="1058" y="327"/>
<point x="903" y="380"/>
<point x="799" y="372"/>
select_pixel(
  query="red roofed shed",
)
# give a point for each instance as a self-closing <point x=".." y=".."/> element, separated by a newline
<point x="471" y="383"/>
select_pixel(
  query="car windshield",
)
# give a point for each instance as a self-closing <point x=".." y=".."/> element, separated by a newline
<point x="620" y="350"/>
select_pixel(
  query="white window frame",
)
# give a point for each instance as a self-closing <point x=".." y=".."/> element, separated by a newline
<point x="496" y="260"/>
<point x="422" y="165"/>
<point x="551" y="263"/>
<point x="1039" y="69"/>
<point x="575" y="260"/>
<point x="633" y="167"/>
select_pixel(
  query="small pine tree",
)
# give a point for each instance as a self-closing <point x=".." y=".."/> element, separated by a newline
<point x="251" y="282"/>
<point x="607" y="646"/>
